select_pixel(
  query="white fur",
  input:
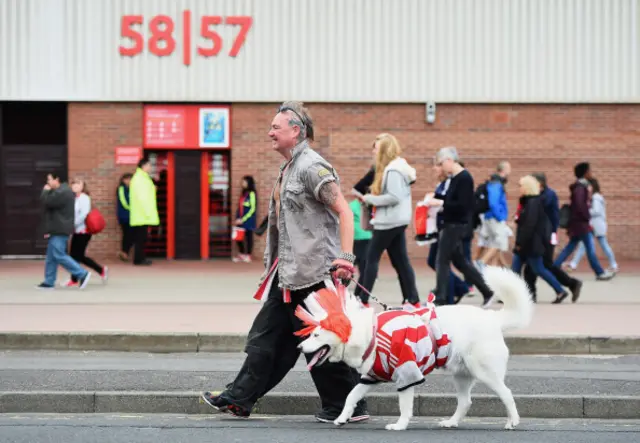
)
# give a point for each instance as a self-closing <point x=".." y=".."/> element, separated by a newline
<point x="478" y="349"/>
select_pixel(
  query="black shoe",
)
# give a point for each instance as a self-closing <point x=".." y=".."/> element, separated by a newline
<point x="222" y="405"/>
<point x="560" y="298"/>
<point x="45" y="286"/>
<point x="145" y="262"/>
<point x="82" y="283"/>
<point x="329" y="416"/>
<point x="575" y="291"/>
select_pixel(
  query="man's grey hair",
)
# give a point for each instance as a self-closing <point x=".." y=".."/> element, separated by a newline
<point x="502" y="166"/>
<point x="299" y="116"/>
<point x="448" y="152"/>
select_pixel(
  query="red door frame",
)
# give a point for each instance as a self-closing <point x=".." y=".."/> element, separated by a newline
<point x="190" y="120"/>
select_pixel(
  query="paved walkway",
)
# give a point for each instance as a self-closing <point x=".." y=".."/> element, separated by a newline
<point x="216" y="297"/>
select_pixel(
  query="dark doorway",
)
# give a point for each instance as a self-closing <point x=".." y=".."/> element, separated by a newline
<point x="33" y="142"/>
<point x="188" y="165"/>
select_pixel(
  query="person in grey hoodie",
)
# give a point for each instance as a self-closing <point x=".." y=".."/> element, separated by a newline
<point x="598" y="222"/>
<point x="390" y="198"/>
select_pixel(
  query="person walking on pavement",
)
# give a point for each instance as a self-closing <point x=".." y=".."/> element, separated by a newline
<point x="309" y="221"/>
<point x="143" y="209"/>
<point x="59" y="205"/>
<point x="81" y="238"/>
<point x="246" y="218"/>
<point x="458" y="206"/>
<point x="391" y="198"/>
<point x="552" y="210"/>
<point x="457" y="287"/>
<point x="579" y="227"/>
<point x="122" y="196"/>
<point x="532" y="234"/>
<point x="494" y="230"/>
<point x="361" y="241"/>
<point x="598" y="222"/>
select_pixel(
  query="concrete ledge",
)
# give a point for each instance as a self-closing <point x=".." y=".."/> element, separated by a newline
<point x="430" y="405"/>
<point x="548" y="345"/>
<point x="77" y="402"/>
<point x="195" y="342"/>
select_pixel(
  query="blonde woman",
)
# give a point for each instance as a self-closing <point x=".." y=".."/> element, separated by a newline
<point x="532" y="235"/>
<point x="80" y="238"/>
<point x="391" y="197"/>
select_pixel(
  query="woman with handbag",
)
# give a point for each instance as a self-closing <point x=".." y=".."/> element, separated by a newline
<point x="391" y="197"/>
<point x="246" y="219"/>
<point x="81" y="236"/>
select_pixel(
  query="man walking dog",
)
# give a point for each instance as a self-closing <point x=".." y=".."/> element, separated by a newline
<point x="310" y="229"/>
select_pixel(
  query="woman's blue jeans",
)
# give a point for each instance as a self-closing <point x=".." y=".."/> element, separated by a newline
<point x="537" y="266"/>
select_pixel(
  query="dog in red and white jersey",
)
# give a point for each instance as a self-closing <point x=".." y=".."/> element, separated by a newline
<point x="404" y="346"/>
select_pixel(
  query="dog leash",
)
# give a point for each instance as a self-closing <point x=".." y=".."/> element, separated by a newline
<point x="348" y="281"/>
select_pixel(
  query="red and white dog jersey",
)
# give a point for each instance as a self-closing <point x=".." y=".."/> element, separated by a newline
<point x="406" y="348"/>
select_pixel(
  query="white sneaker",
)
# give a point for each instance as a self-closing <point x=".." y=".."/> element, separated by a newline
<point x="105" y="274"/>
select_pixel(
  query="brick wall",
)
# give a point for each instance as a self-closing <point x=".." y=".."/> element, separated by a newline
<point x="549" y="138"/>
<point x="95" y="129"/>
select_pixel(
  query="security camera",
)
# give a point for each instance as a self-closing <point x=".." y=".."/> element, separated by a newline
<point x="431" y="112"/>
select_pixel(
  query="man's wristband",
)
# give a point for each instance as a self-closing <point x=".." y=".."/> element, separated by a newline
<point x="348" y="257"/>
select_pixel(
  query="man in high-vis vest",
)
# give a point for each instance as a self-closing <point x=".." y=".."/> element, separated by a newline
<point x="143" y="210"/>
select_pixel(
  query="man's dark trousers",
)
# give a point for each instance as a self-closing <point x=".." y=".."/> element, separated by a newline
<point x="547" y="259"/>
<point x="272" y="352"/>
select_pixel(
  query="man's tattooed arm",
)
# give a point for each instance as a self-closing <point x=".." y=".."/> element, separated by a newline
<point x="329" y="194"/>
<point x="332" y="197"/>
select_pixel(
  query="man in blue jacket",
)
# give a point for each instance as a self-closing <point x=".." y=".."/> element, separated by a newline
<point x="494" y="229"/>
<point x="552" y="209"/>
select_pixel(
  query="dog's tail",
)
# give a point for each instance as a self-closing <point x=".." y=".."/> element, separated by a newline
<point x="514" y="293"/>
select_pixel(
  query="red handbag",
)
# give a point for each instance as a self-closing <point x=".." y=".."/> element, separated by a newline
<point x="95" y="222"/>
<point x="420" y="219"/>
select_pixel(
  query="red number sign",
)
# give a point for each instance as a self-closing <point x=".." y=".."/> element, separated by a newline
<point x="162" y="41"/>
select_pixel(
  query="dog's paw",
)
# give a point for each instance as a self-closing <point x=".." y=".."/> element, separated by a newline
<point x="512" y="423"/>
<point x="448" y="424"/>
<point x="340" y="421"/>
<point x="396" y="427"/>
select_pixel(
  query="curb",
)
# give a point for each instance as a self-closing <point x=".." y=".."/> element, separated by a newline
<point x="531" y="406"/>
<point x="195" y="342"/>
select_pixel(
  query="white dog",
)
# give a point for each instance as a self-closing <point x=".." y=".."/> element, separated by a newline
<point x="403" y="346"/>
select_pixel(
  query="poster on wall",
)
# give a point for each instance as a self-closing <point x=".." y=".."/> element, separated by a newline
<point x="164" y="126"/>
<point x="214" y="128"/>
<point x="128" y="155"/>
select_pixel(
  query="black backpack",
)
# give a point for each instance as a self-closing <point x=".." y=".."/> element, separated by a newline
<point x="481" y="203"/>
<point x="565" y="214"/>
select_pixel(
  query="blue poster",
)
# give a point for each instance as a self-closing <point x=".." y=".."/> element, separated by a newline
<point x="214" y="127"/>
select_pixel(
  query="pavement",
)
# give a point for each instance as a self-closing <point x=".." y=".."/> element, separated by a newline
<point x="208" y="306"/>
<point x="606" y="387"/>
<point x="111" y="428"/>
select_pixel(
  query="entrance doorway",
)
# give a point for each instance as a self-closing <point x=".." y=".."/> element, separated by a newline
<point x="33" y="143"/>
<point x="194" y="204"/>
